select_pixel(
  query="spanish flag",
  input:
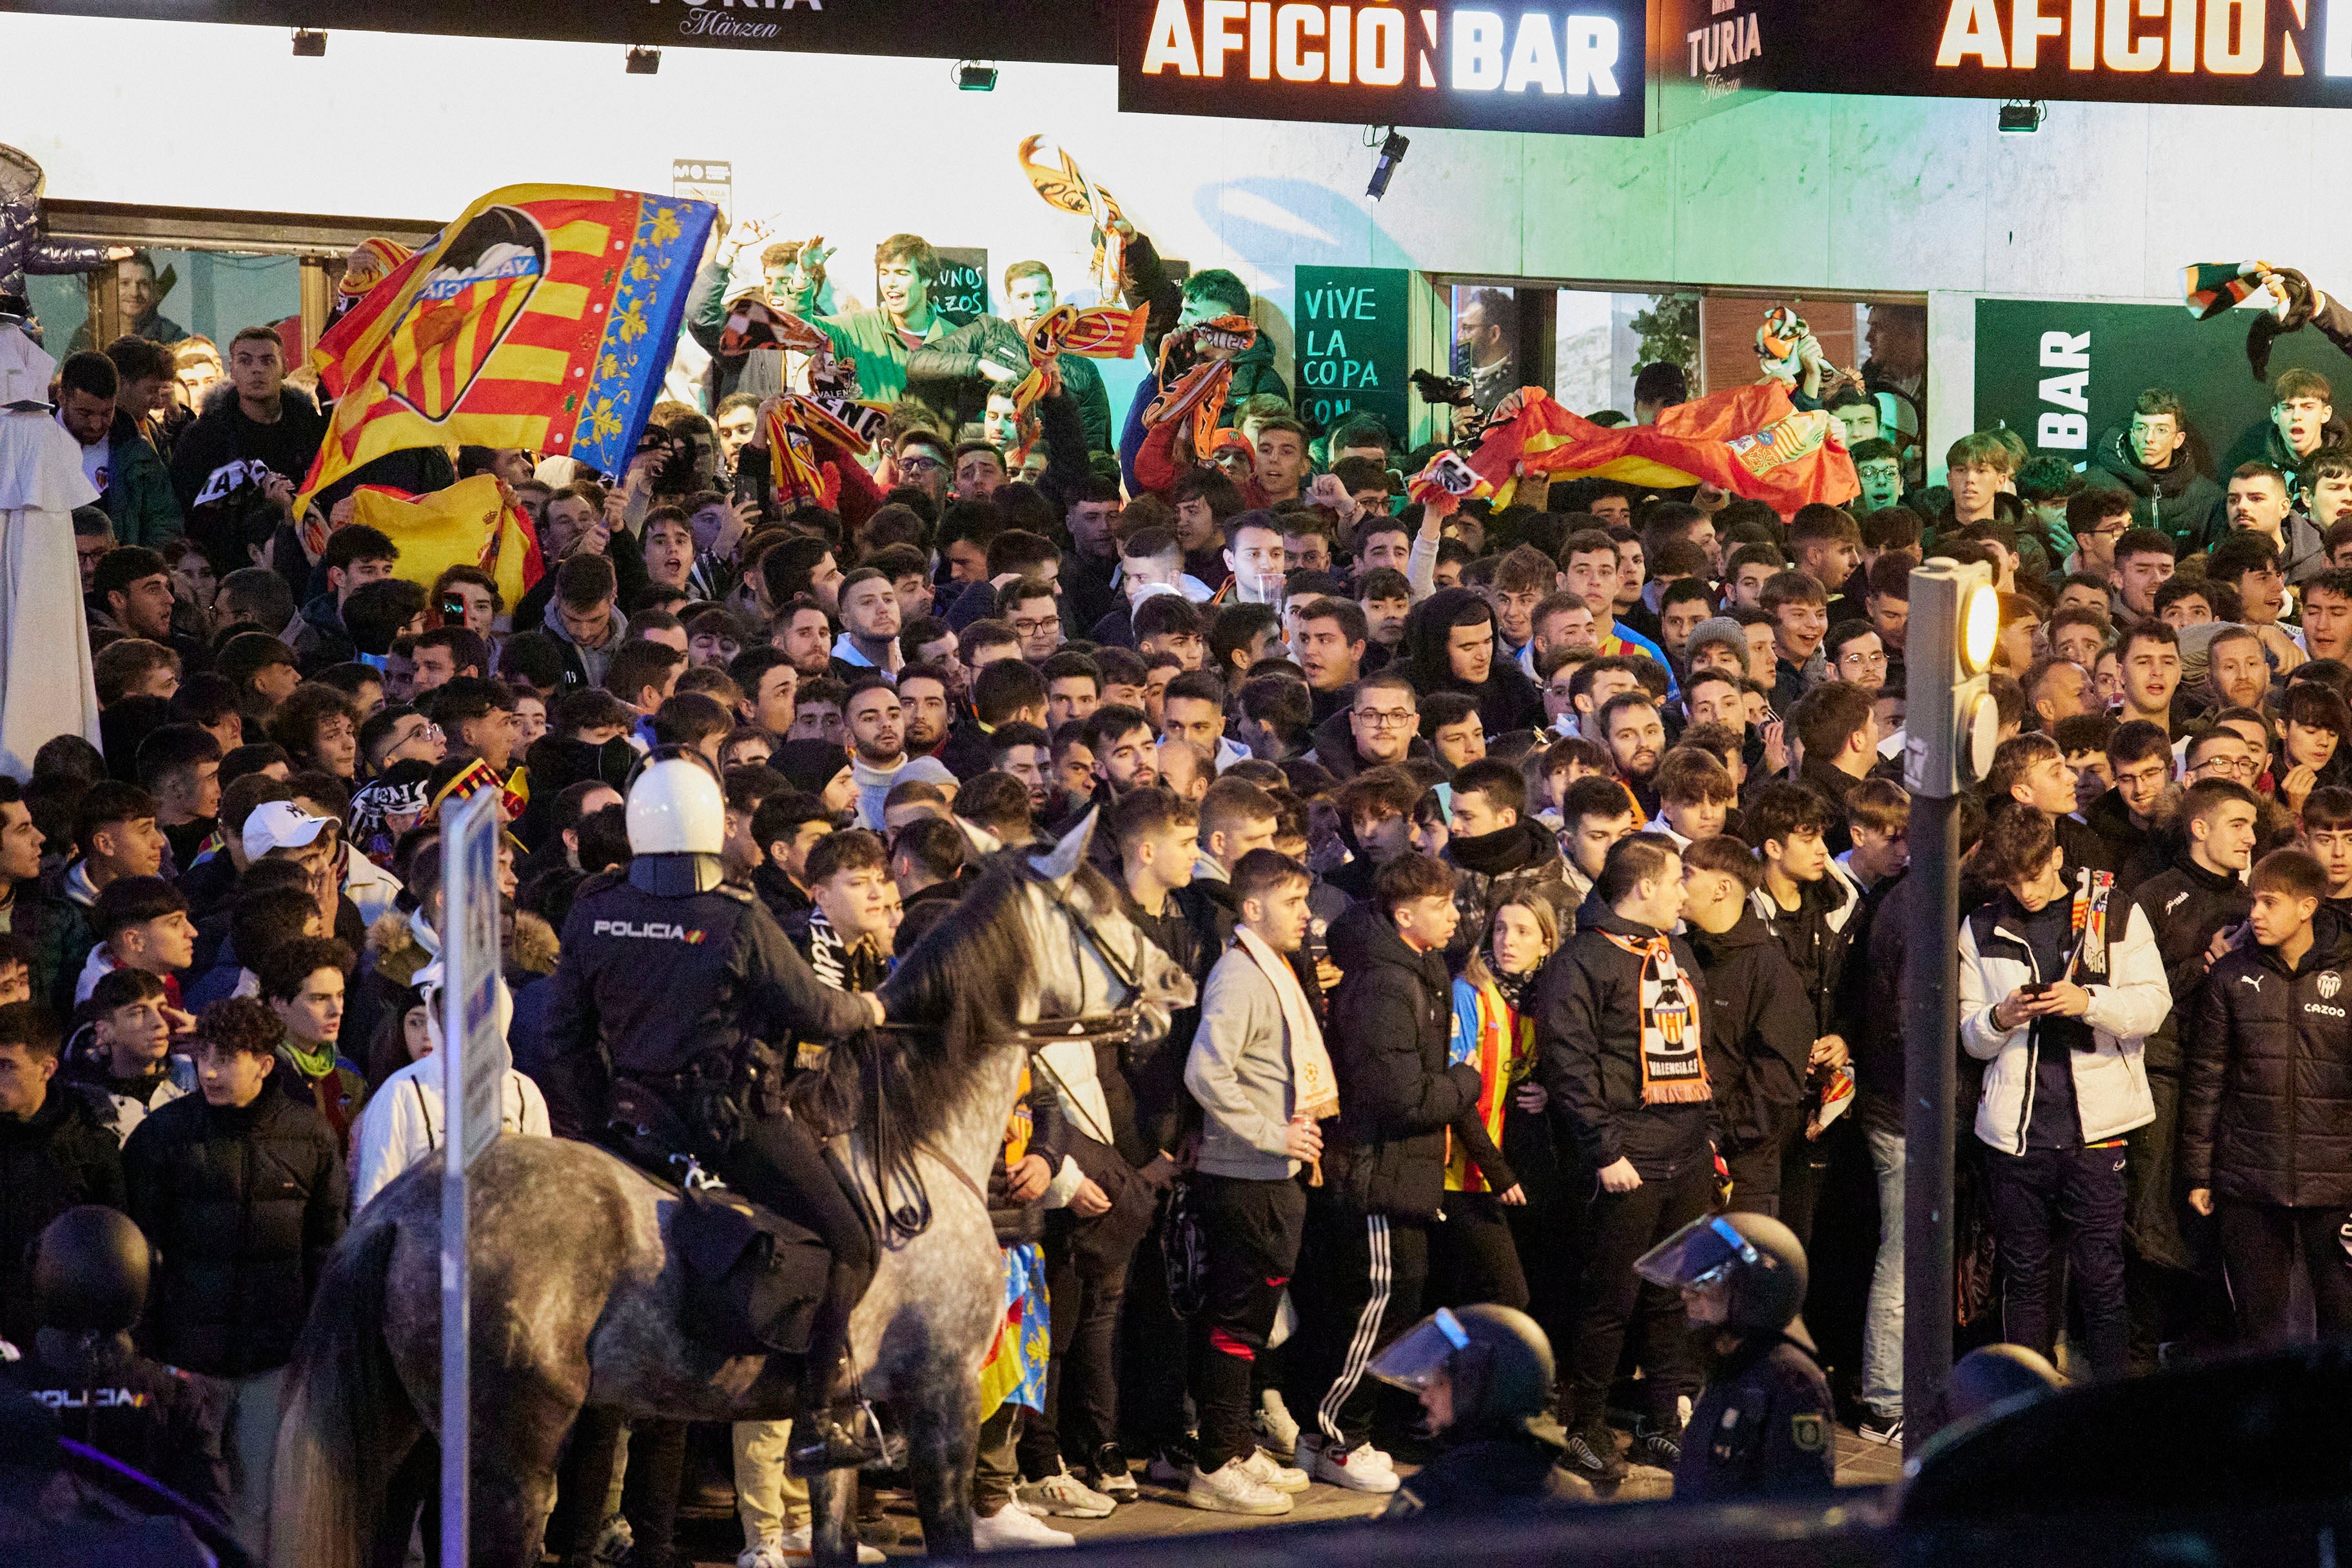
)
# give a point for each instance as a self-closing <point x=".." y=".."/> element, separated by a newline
<point x="1750" y="441"/>
<point x="544" y="319"/>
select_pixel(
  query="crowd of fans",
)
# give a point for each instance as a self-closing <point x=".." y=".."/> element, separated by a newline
<point x="1542" y="868"/>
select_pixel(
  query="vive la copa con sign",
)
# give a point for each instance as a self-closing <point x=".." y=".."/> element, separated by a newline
<point x="1576" y="66"/>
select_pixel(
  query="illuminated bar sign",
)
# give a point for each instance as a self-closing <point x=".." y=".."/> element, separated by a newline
<point x="2290" y="53"/>
<point x="1570" y="66"/>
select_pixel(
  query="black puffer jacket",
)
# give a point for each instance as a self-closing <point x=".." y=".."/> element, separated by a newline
<point x="244" y="1204"/>
<point x="1392" y="1027"/>
<point x="1589" y="1030"/>
<point x="61" y="1156"/>
<point x="2185" y="907"/>
<point x="1759" y="1034"/>
<point x="2175" y="500"/>
<point x="2266" y="1101"/>
<point x="1521" y="859"/>
<point x="2108" y="840"/>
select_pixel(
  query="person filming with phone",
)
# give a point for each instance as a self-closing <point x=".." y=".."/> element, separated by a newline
<point x="2059" y="989"/>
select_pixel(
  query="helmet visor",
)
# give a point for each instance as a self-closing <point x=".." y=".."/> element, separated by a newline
<point x="1698" y="1254"/>
<point x="1423" y="1353"/>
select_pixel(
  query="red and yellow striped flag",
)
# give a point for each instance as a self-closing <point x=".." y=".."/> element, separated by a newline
<point x="544" y="319"/>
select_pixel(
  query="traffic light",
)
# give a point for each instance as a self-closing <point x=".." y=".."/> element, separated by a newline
<point x="1950" y="724"/>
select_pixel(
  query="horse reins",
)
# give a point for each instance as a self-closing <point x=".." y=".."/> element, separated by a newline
<point x="897" y="1226"/>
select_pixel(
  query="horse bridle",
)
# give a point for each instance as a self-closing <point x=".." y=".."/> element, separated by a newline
<point x="1117" y="1026"/>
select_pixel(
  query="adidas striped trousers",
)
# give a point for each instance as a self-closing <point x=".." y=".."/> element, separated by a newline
<point x="1359" y="1286"/>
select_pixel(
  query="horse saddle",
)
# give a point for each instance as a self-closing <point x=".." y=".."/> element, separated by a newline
<point x="753" y="1277"/>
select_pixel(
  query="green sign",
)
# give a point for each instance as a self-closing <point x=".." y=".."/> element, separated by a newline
<point x="960" y="292"/>
<point x="2063" y="373"/>
<point x="1351" y="343"/>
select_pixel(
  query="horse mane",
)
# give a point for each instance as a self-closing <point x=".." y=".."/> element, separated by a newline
<point x="962" y="983"/>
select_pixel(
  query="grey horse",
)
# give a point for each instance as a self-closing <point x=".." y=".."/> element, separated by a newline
<point x="576" y="1298"/>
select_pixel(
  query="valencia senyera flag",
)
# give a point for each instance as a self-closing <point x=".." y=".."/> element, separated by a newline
<point x="544" y="319"/>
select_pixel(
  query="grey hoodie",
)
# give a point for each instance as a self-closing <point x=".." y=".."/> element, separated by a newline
<point x="593" y="661"/>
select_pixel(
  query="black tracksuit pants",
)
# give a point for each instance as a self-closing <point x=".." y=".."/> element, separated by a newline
<point x="1359" y="1286"/>
<point x="1253" y="1232"/>
<point x="2258" y="1248"/>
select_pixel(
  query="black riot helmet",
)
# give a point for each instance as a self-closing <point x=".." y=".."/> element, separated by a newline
<point x="1496" y="1359"/>
<point x="1756" y="1259"/>
<point x="91" y="1274"/>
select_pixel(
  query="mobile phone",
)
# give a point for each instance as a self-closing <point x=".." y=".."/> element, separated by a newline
<point x="2039" y="989"/>
<point x="453" y="609"/>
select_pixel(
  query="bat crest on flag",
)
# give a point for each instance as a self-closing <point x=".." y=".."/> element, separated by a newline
<point x="462" y="309"/>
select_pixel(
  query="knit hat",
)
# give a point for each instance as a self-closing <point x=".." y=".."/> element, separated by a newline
<point x="810" y="765"/>
<point x="1716" y="629"/>
<point x="927" y="770"/>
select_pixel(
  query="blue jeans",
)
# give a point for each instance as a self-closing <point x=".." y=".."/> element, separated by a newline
<point x="1882" y="1322"/>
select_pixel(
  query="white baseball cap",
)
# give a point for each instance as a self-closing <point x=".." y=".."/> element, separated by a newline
<point x="279" y="824"/>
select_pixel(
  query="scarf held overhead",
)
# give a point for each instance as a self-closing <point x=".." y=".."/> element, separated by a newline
<point x="1200" y="391"/>
<point x="1098" y="331"/>
<point x="1065" y="188"/>
<point x="1674" y="1072"/>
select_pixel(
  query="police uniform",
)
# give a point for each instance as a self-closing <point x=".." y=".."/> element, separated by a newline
<point x="1764" y="1427"/>
<point x="159" y="1421"/>
<point x="658" y="1001"/>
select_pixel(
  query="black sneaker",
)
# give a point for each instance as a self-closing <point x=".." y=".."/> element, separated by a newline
<point x="1656" y="1445"/>
<point x="1883" y="1430"/>
<point x="1593" y="1453"/>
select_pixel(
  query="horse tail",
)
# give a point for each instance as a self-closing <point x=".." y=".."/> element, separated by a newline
<point x="332" y="1466"/>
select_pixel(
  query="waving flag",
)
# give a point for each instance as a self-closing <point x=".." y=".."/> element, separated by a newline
<point x="544" y="319"/>
<point x="1750" y="441"/>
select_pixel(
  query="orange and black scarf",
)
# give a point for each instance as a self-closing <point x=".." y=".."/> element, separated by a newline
<point x="1673" y="1070"/>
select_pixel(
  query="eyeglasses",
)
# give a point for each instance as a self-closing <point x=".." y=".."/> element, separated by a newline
<point x="1862" y="659"/>
<point x="1032" y="628"/>
<point x="922" y="465"/>
<point x="1390" y="721"/>
<point x="2244" y="767"/>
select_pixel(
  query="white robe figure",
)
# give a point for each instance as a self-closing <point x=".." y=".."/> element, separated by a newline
<point x="45" y="685"/>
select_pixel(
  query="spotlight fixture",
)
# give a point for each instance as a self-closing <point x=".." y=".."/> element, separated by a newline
<point x="1392" y="151"/>
<point x="309" y="45"/>
<point x="2022" y="116"/>
<point x="975" y="75"/>
<point x="643" y="61"/>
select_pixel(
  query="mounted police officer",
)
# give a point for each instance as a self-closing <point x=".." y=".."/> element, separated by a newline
<point x="1482" y="1374"/>
<point x="668" y="979"/>
<point x="1763" y="1427"/>
<point x="89" y="1276"/>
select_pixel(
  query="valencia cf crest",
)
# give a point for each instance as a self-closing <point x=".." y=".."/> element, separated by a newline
<point x="2329" y="985"/>
<point x="463" y="307"/>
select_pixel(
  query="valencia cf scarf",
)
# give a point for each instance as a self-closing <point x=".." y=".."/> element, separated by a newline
<point x="1200" y="392"/>
<point x="1065" y="188"/>
<point x="1673" y="1070"/>
<point x="1099" y="331"/>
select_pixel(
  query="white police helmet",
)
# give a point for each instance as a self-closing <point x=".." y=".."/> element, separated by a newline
<point x="676" y="808"/>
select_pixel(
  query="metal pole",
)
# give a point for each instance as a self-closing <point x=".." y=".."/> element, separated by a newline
<point x="1931" y="960"/>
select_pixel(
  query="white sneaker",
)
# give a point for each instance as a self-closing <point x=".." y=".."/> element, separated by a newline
<point x="1012" y="1529"/>
<point x="1275" y="1428"/>
<point x="1358" y="1469"/>
<point x="1267" y="1471"/>
<point x="795" y="1549"/>
<point x="1065" y="1494"/>
<point x="1232" y="1489"/>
